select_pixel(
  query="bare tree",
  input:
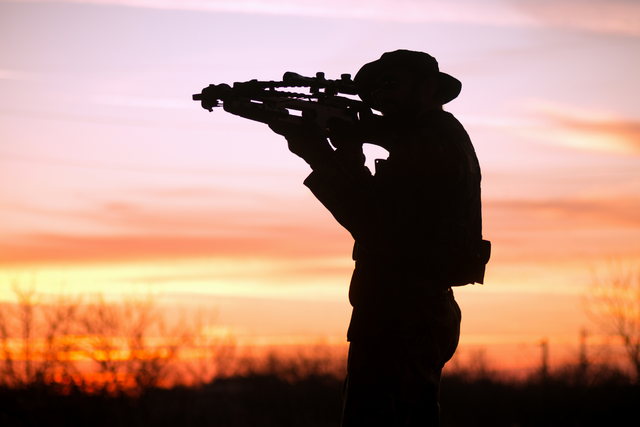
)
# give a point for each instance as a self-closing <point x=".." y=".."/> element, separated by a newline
<point x="8" y="369"/>
<point x="211" y="351"/>
<point x="60" y="339"/>
<point x="124" y="347"/>
<point x="131" y="344"/>
<point x="613" y="302"/>
<point x="101" y="326"/>
<point x="37" y="337"/>
<point x="153" y="346"/>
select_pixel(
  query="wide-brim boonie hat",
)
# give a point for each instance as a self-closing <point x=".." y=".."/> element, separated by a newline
<point x="448" y="87"/>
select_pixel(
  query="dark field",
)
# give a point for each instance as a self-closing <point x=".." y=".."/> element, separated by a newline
<point x="267" y="400"/>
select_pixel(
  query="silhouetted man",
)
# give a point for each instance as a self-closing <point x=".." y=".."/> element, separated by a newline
<point x="417" y="230"/>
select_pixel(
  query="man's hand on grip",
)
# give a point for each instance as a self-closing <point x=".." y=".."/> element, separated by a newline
<point x="348" y="140"/>
<point x="306" y="141"/>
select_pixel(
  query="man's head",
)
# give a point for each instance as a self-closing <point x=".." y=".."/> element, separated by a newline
<point x="405" y="81"/>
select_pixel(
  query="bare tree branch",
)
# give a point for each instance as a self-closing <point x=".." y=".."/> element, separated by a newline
<point x="613" y="303"/>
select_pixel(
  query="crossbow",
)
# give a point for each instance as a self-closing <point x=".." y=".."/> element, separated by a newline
<point x="269" y="101"/>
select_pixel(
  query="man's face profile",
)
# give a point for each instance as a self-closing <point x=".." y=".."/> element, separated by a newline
<point x="394" y="93"/>
<point x="400" y="95"/>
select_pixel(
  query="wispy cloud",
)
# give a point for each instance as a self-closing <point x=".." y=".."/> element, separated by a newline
<point x="581" y="128"/>
<point x="565" y="214"/>
<point x="230" y="226"/>
<point x="142" y="102"/>
<point x="16" y="75"/>
<point x="602" y="16"/>
<point x="561" y="230"/>
<point x="279" y="244"/>
<point x="612" y="16"/>
<point x="617" y="136"/>
<point x="492" y="11"/>
<point x="146" y="234"/>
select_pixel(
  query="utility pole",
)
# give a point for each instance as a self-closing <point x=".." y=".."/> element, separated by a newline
<point x="544" y="368"/>
<point x="583" y="363"/>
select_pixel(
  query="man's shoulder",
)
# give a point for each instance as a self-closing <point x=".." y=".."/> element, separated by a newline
<point x="442" y="121"/>
<point x="445" y="133"/>
<point x="439" y="130"/>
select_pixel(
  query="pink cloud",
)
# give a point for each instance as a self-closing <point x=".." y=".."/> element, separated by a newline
<point x="272" y="244"/>
<point x="606" y="16"/>
<point x="554" y="230"/>
<point x="564" y="214"/>
<point x="523" y="226"/>
<point x="581" y="128"/>
<point x="602" y="16"/>
<point x="179" y="223"/>
<point x="612" y="135"/>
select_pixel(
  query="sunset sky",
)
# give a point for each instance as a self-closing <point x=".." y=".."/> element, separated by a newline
<point x="113" y="180"/>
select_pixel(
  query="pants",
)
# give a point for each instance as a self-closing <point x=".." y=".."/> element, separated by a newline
<point x="393" y="378"/>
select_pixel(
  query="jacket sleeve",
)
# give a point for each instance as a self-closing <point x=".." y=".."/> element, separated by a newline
<point x="352" y="201"/>
<point x="391" y="214"/>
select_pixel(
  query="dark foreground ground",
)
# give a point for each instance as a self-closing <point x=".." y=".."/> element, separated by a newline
<point x="263" y="400"/>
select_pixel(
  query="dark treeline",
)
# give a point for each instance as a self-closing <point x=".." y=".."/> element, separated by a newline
<point x="572" y="395"/>
<point x="280" y="393"/>
<point x="74" y="362"/>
